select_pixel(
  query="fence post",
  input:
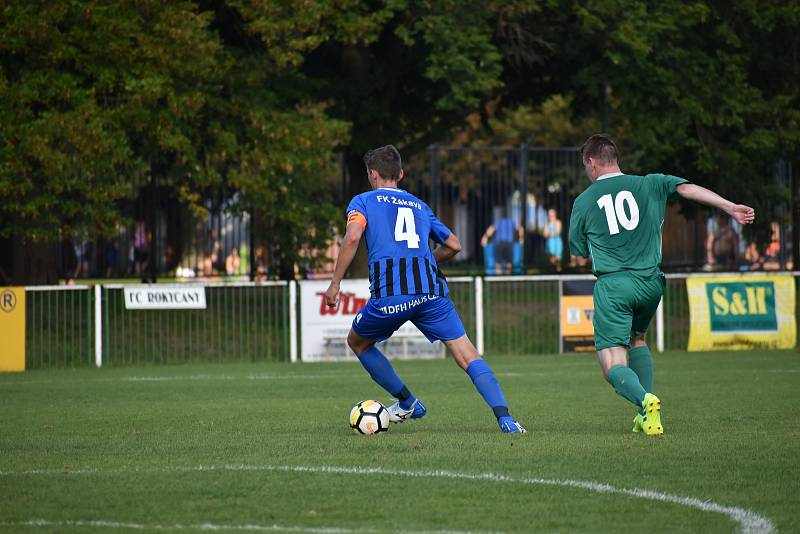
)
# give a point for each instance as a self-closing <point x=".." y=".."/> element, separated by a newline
<point x="523" y="203"/>
<point x="98" y="325"/>
<point x="660" y="325"/>
<point x="479" y="314"/>
<point x="560" y="314"/>
<point x="292" y="321"/>
<point x="434" y="169"/>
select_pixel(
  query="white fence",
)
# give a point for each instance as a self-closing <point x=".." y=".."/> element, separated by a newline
<point x="251" y="321"/>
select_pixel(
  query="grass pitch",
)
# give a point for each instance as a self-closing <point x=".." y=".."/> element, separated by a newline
<point x="267" y="447"/>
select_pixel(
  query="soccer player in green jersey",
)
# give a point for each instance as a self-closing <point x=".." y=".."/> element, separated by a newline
<point x="617" y="222"/>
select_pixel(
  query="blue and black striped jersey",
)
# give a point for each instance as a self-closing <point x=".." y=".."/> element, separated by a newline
<point x="397" y="229"/>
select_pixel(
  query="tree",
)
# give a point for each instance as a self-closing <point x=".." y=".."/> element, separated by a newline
<point x="93" y="95"/>
<point x="399" y="72"/>
<point x="100" y="98"/>
<point x="704" y="89"/>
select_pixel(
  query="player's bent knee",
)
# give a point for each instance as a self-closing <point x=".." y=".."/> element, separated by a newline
<point x="357" y="343"/>
<point x="463" y="351"/>
<point x="611" y="357"/>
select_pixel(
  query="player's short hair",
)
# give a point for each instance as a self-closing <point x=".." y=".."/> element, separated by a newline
<point x="600" y="147"/>
<point x="386" y="160"/>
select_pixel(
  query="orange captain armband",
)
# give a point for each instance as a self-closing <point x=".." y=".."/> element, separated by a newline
<point x="357" y="217"/>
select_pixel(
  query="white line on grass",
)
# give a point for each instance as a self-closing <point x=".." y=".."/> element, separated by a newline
<point x="749" y="522"/>
<point x="176" y="378"/>
<point x="104" y="524"/>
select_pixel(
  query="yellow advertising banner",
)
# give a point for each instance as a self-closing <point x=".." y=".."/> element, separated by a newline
<point x="12" y="328"/>
<point x="577" y="312"/>
<point x="741" y="312"/>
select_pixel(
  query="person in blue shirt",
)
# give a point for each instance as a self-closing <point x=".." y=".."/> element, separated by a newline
<point x="504" y="231"/>
<point x="406" y="285"/>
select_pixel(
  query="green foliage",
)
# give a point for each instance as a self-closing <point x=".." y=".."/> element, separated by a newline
<point x="701" y="89"/>
<point x="686" y="90"/>
<point x="98" y="97"/>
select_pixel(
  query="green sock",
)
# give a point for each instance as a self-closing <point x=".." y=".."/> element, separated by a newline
<point x="640" y="360"/>
<point x="627" y="385"/>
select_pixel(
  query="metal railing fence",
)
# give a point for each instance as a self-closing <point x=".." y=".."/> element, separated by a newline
<point x="59" y="326"/>
<point x="462" y="292"/>
<point x="523" y="314"/>
<point x="516" y="315"/>
<point x="676" y="314"/>
<point x="242" y="322"/>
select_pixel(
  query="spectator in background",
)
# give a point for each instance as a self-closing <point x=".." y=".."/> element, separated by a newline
<point x="260" y="267"/>
<point x="141" y="250"/>
<point x="205" y="266"/>
<point x="84" y="249"/>
<point x="724" y="246"/>
<point x="772" y="254"/>
<point x="713" y="229"/>
<point x="503" y="231"/>
<point x="232" y="262"/>
<point x="752" y="258"/>
<point x="211" y="263"/>
<point x="553" y="244"/>
<point x="170" y="259"/>
<point x="112" y="257"/>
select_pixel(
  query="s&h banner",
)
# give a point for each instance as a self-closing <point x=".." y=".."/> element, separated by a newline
<point x="741" y="312"/>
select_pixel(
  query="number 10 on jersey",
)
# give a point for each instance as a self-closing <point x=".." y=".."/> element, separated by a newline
<point x="615" y="211"/>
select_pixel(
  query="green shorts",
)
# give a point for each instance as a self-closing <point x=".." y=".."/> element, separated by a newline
<point x="624" y="303"/>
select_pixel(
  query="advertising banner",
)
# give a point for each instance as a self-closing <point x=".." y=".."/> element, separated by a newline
<point x="741" y="312"/>
<point x="577" y="312"/>
<point x="12" y="328"/>
<point x="163" y="297"/>
<point x="323" y="335"/>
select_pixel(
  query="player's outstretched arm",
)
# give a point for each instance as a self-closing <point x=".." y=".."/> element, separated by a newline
<point x="349" y="247"/>
<point x="449" y="248"/>
<point x="743" y="214"/>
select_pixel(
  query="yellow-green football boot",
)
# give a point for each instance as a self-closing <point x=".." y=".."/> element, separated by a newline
<point x="637" y="423"/>
<point x="651" y="421"/>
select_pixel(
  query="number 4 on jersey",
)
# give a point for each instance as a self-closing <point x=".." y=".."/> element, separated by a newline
<point x="405" y="229"/>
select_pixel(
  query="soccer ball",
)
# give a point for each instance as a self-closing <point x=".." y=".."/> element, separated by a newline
<point x="369" y="417"/>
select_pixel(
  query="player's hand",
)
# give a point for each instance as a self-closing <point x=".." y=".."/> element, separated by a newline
<point x="332" y="294"/>
<point x="743" y="214"/>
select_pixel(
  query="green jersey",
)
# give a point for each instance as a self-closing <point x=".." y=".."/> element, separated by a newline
<point x="617" y="221"/>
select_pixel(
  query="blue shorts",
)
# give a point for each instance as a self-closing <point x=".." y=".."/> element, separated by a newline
<point x="436" y="317"/>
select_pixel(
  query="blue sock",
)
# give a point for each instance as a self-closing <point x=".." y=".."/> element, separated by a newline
<point x="488" y="386"/>
<point x="382" y="372"/>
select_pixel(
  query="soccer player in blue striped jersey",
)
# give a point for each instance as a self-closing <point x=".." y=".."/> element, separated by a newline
<point x="406" y="285"/>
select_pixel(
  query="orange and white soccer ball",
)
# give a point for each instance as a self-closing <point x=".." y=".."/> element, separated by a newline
<point x="369" y="417"/>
